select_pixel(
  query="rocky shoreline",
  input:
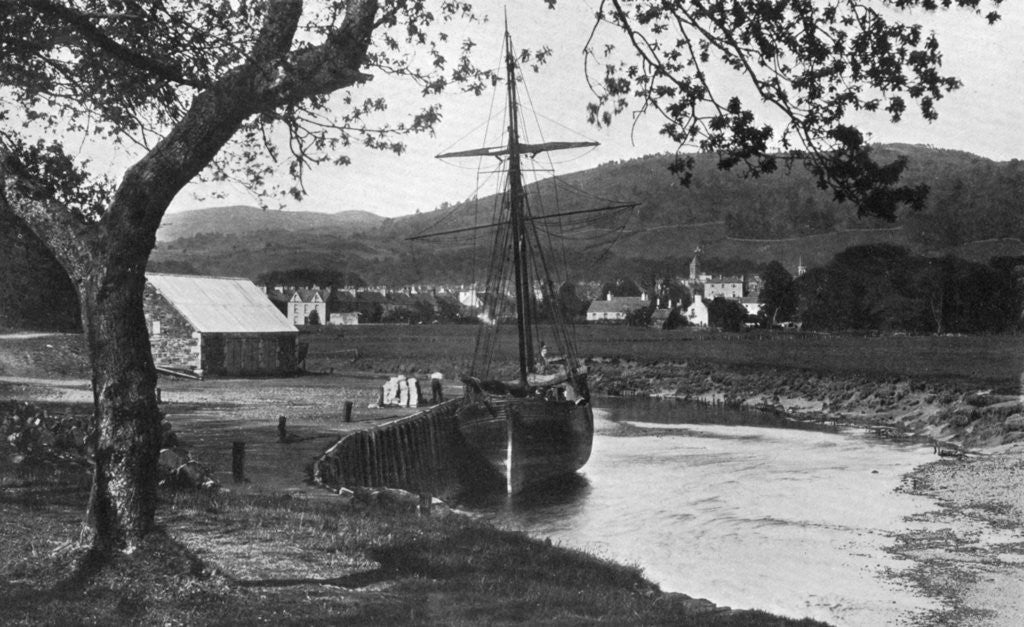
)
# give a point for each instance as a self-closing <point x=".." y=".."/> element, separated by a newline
<point x="969" y="552"/>
<point x="941" y="412"/>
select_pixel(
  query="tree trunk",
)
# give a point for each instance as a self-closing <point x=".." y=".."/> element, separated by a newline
<point x="127" y="421"/>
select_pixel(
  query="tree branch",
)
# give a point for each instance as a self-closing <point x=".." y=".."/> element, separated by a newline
<point x="332" y="65"/>
<point x="82" y="25"/>
<point x="269" y="79"/>
<point x="64" y="233"/>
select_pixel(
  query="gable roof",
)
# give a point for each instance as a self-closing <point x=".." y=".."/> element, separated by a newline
<point x="221" y="304"/>
<point x="661" y="314"/>
<point x="618" y="304"/>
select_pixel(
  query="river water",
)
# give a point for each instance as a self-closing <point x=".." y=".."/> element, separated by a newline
<point x="790" y="521"/>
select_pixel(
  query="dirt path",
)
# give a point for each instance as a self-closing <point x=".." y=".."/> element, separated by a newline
<point x="209" y="416"/>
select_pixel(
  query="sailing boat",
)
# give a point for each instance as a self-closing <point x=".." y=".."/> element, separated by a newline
<point x="539" y="426"/>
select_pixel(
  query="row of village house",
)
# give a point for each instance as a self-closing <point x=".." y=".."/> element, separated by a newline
<point x="229" y="326"/>
<point x="336" y="306"/>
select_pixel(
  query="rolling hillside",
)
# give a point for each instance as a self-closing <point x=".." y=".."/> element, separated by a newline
<point x="974" y="210"/>
<point x="240" y="219"/>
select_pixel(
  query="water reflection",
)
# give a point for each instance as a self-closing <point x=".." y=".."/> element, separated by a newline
<point x="557" y="493"/>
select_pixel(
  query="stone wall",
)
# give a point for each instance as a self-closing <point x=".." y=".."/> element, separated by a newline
<point x="175" y="344"/>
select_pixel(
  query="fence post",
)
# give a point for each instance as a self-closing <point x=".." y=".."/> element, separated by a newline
<point x="348" y="411"/>
<point x="282" y="428"/>
<point x="238" y="461"/>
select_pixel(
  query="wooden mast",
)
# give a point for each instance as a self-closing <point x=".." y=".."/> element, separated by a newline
<point x="518" y="221"/>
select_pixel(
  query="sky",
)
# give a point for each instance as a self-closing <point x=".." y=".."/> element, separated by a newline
<point x="982" y="117"/>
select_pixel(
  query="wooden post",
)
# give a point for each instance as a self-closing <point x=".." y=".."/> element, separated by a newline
<point x="158" y="398"/>
<point x="348" y="411"/>
<point x="238" y="461"/>
<point x="282" y="428"/>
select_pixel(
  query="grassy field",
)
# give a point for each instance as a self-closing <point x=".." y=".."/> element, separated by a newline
<point x="996" y="361"/>
<point x="981" y="360"/>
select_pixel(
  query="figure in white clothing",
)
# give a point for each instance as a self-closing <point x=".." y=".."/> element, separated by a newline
<point x="389" y="395"/>
<point x="414" y="391"/>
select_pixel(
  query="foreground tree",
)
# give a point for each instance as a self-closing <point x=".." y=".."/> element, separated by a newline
<point x="193" y="84"/>
<point x="220" y="87"/>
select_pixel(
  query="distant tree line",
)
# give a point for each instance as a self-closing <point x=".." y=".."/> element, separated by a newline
<point x="886" y="288"/>
<point x="308" y="277"/>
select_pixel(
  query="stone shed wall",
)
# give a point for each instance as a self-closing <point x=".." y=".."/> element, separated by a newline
<point x="175" y="344"/>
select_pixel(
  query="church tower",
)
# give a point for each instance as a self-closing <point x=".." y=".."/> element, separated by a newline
<point x="695" y="265"/>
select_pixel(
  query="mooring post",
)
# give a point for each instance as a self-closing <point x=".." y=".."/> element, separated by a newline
<point x="348" y="411"/>
<point x="282" y="428"/>
<point x="238" y="461"/>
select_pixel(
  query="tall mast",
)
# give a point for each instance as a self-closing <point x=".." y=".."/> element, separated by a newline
<point x="518" y="220"/>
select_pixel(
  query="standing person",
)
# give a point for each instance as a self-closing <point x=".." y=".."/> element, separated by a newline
<point x="403" y="391"/>
<point x="436" y="391"/>
<point x="414" y="390"/>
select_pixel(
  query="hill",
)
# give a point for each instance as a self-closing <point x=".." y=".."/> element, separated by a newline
<point x="240" y="219"/>
<point x="973" y="210"/>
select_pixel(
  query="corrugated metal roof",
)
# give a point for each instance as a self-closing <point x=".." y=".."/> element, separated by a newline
<point x="221" y="304"/>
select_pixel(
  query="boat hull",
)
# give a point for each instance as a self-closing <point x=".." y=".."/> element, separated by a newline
<point x="528" y="440"/>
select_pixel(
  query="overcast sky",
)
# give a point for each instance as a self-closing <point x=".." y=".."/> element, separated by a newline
<point x="983" y="117"/>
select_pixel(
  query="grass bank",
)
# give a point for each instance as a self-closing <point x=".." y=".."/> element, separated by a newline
<point x="231" y="558"/>
<point x="988" y="361"/>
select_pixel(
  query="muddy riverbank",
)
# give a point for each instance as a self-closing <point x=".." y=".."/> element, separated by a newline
<point x="944" y="411"/>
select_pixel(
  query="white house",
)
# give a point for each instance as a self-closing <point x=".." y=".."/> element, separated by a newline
<point x="303" y="303"/>
<point x="751" y="304"/>
<point x="470" y="298"/>
<point x="697" y="313"/>
<point x="346" y="318"/>
<point x="615" y="308"/>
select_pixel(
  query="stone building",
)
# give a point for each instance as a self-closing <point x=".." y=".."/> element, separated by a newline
<point x="728" y="287"/>
<point x="217" y="326"/>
